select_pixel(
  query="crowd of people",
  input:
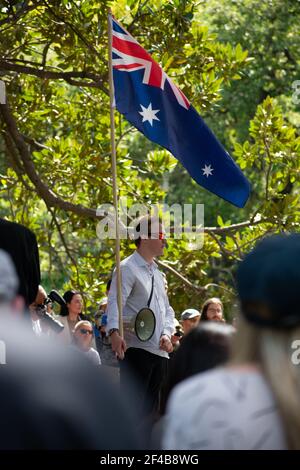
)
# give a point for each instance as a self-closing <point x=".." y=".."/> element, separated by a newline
<point x="193" y="382"/>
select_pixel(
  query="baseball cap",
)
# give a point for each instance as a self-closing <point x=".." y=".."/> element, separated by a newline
<point x="190" y="313"/>
<point x="268" y="282"/>
<point x="9" y="282"/>
<point x="103" y="301"/>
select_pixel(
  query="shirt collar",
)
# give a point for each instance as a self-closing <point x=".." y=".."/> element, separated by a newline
<point x="140" y="261"/>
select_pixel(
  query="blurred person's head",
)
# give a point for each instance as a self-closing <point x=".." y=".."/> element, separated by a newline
<point x="189" y="319"/>
<point x="204" y="347"/>
<point x="103" y="305"/>
<point x="151" y="238"/>
<point x="83" y="335"/>
<point x="73" y="305"/>
<point x="212" y="310"/>
<point x="268" y="281"/>
<point x="177" y="335"/>
<point x="9" y="284"/>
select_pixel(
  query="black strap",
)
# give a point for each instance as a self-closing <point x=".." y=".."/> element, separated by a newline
<point x="151" y="293"/>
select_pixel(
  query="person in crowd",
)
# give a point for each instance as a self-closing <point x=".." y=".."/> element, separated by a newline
<point x="189" y="319"/>
<point x="212" y="310"/>
<point x="176" y="336"/>
<point x="48" y="400"/>
<point x="82" y="340"/>
<point x="70" y="314"/>
<point x="39" y="326"/>
<point x="206" y="346"/>
<point x="142" y="285"/>
<point x="103" y="319"/>
<point x="20" y="243"/>
<point x="253" y="402"/>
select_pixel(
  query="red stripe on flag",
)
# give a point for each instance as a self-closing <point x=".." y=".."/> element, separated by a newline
<point x="136" y="51"/>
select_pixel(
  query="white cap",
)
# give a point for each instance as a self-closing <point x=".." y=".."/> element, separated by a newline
<point x="190" y="313"/>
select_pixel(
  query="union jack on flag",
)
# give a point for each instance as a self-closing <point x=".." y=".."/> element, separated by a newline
<point x="151" y="102"/>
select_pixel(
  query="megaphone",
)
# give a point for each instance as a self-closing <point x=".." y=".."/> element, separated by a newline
<point x="142" y="325"/>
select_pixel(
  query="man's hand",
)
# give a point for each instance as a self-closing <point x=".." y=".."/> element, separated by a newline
<point x="165" y="344"/>
<point x="118" y="345"/>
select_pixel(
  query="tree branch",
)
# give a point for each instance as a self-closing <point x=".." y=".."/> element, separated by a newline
<point x="69" y="254"/>
<point x="187" y="282"/>
<point x="14" y="18"/>
<point x="180" y="276"/>
<point x="234" y="227"/>
<point x="97" y="81"/>
<point x="50" y="198"/>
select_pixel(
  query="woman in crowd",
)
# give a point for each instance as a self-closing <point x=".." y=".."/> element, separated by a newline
<point x="70" y="314"/>
<point x="253" y="402"/>
<point x="212" y="310"/>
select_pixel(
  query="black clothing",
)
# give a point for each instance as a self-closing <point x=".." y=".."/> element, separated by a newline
<point x="148" y="370"/>
<point x="21" y="245"/>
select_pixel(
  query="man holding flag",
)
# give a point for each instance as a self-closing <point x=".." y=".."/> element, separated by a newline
<point x="150" y="101"/>
<point x="142" y="284"/>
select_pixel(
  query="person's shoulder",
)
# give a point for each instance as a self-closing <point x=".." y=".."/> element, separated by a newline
<point x="129" y="260"/>
<point x="93" y="352"/>
<point x="220" y="381"/>
<point x="129" y="264"/>
<point x="195" y="385"/>
<point x="15" y="227"/>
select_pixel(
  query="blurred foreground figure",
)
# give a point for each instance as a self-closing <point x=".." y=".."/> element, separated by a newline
<point x="21" y="245"/>
<point x="254" y="402"/>
<point x="48" y="400"/>
<point x="50" y="395"/>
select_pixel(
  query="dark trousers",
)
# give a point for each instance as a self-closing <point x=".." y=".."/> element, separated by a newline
<point x="148" y="370"/>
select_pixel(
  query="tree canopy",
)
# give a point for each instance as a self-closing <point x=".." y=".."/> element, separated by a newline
<point x="238" y="70"/>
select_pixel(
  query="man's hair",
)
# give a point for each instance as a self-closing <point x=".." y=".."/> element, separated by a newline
<point x="212" y="300"/>
<point x="145" y="227"/>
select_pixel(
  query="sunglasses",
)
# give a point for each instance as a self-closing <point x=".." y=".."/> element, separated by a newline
<point x="83" y="331"/>
<point x="161" y="236"/>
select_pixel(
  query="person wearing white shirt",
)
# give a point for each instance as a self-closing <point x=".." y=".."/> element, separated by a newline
<point x="146" y="360"/>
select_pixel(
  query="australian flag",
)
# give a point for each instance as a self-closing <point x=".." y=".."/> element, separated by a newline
<point x="151" y="102"/>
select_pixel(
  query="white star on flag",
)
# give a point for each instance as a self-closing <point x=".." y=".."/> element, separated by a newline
<point x="207" y="170"/>
<point x="149" y="114"/>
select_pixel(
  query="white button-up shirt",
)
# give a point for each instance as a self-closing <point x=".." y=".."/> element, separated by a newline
<point x="136" y="288"/>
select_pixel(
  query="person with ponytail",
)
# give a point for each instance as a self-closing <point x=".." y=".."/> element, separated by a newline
<point x="253" y="402"/>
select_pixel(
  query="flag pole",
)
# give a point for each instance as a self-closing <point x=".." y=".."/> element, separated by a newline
<point x="114" y="172"/>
